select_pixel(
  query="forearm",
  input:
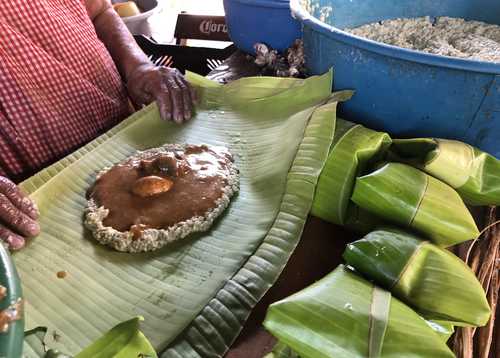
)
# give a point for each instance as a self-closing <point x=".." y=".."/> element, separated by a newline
<point x="116" y="37"/>
<point x="145" y="82"/>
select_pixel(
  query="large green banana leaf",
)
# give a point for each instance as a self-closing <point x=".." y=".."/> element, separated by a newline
<point x="434" y="281"/>
<point x="343" y="315"/>
<point x="212" y="280"/>
<point x="473" y="173"/>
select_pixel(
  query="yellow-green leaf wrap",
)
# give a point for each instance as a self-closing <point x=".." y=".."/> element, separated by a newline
<point x="473" y="173"/>
<point x="409" y="197"/>
<point x="125" y="340"/>
<point x="354" y="147"/>
<point x="331" y="318"/>
<point x="432" y="280"/>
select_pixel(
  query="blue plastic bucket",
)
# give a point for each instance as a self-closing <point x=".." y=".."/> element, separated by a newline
<point x="405" y="92"/>
<point x="267" y="21"/>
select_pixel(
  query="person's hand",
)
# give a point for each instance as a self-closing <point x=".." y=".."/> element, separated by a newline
<point x="174" y="95"/>
<point x="18" y="215"/>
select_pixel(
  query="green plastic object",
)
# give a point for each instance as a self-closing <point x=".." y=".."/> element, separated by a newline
<point x="11" y="341"/>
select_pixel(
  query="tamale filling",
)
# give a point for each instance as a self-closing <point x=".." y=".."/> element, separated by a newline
<point x="160" y="191"/>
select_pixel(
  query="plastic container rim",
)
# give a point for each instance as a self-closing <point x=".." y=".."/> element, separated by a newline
<point x="278" y="4"/>
<point x="306" y="18"/>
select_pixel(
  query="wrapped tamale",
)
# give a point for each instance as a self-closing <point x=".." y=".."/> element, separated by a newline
<point x="281" y="350"/>
<point x="444" y="329"/>
<point x="354" y="147"/>
<point x="432" y="280"/>
<point x="474" y="174"/>
<point x="344" y="315"/>
<point x="409" y="197"/>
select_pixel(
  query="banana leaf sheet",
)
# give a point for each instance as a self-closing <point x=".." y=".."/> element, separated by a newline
<point x="196" y="294"/>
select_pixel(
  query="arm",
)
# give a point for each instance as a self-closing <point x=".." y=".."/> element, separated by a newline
<point x="18" y="214"/>
<point x="145" y="82"/>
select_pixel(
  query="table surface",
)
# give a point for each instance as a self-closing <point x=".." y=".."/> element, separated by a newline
<point x="317" y="254"/>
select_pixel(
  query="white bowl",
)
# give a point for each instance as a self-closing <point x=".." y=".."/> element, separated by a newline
<point x="139" y="24"/>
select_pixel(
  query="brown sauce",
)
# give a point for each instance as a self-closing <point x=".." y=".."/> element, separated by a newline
<point x="198" y="173"/>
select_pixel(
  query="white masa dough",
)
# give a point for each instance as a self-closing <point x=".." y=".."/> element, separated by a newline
<point x="445" y="36"/>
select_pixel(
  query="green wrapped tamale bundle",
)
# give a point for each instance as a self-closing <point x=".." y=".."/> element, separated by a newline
<point x="281" y="350"/>
<point x="343" y="315"/>
<point x="474" y="174"/>
<point x="444" y="329"/>
<point x="432" y="280"/>
<point x="407" y="196"/>
<point x="353" y="148"/>
<point x="360" y="220"/>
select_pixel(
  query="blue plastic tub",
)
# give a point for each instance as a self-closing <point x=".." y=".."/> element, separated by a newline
<point x="405" y="92"/>
<point x="267" y="21"/>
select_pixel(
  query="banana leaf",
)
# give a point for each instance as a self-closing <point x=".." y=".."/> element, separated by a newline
<point x="122" y="341"/>
<point x="361" y="221"/>
<point x="354" y="148"/>
<point x="281" y="350"/>
<point x="343" y="315"/>
<point x="443" y="329"/>
<point x="436" y="283"/>
<point x="474" y="174"/>
<point x="408" y="197"/>
<point x="205" y="284"/>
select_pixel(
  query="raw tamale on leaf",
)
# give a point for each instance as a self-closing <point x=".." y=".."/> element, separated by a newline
<point x="432" y="280"/>
<point x="353" y="148"/>
<point x="473" y="173"/>
<point x="343" y="315"/>
<point x="409" y="197"/>
<point x="202" y="279"/>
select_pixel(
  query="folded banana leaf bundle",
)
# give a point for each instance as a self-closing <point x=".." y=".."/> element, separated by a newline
<point x="411" y="198"/>
<point x="474" y="174"/>
<point x="432" y="280"/>
<point x="354" y="148"/>
<point x="343" y="315"/>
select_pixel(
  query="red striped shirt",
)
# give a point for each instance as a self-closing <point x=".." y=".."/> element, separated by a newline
<point x="59" y="87"/>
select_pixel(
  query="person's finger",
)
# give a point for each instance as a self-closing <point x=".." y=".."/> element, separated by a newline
<point x="192" y="91"/>
<point x="164" y="104"/>
<point x="168" y="80"/>
<point x="186" y="98"/>
<point x="18" y="198"/>
<point x="13" y="241"/>
<point x="16" y="219"/>
<point x="194" y="94"/>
